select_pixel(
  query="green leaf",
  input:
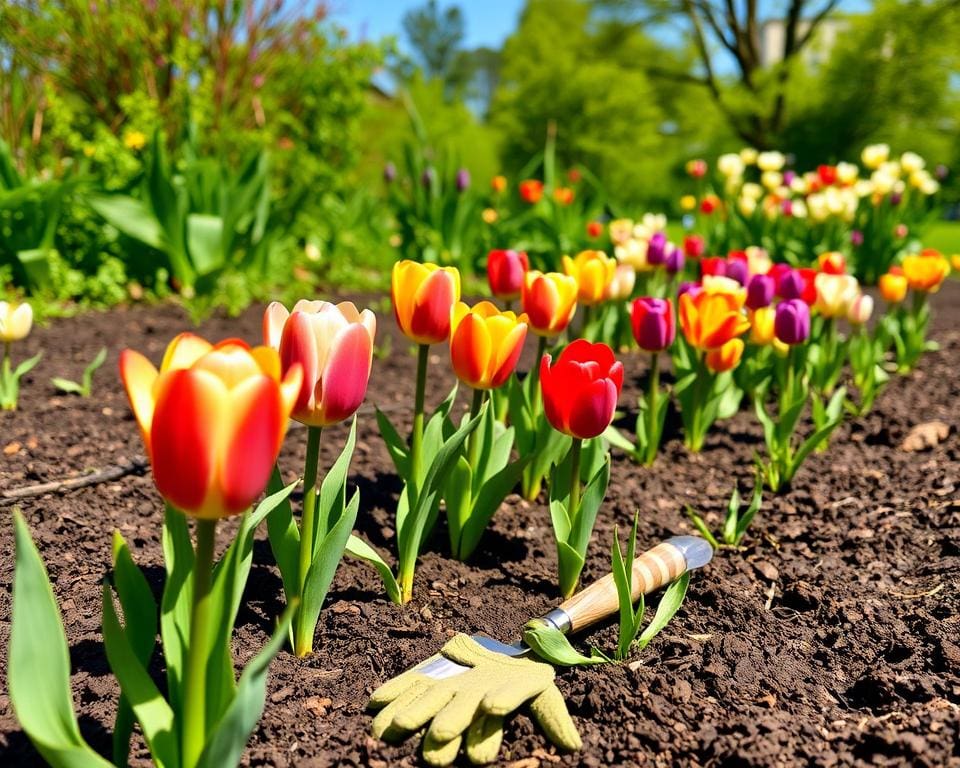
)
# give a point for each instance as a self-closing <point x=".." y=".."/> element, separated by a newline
<point x="175" y="605"/>
<point x="91" y="369"/>
<point x="747" y="517"/>
<point x="487" y="502"/>
<point x="733" y="513"/>
<point x="205" y="242"/>
<point x="701" y="526"/>
<point x="590" y="502"/>
<point x="284" y="536"/>
<point x="156" y="718"/>
<point x="396" y="445"/>
<point x="332" y="499"/>
<point x="666" y="609"/>
<point x="140" y="625"/>
<point x="458" y="499"/>
<point x="38" y="671"/>
<point x="551" y="645"/>
<point x="65" y="385"/>
<point x="616" y="438"/>
<point x="227" y="739"/>
<point x="358" y="548"/>
<point x="27" y="365"/>
<point x="130" y="216"/>
<point x="569" y="566"/>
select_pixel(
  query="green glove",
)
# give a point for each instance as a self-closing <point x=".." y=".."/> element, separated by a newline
<point x="473" y="703"/>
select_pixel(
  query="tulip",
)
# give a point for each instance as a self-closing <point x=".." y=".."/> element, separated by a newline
<point x="770" y="161"/>
<point x="593" y="271"/>
<point x="621" y="231"/>
<point x="790" y="285"/>
<point x="621" y="286"/>
<point x="893" y="287"/>
<point x="792" y="322"/>
<point x="835" y="293"/>
<point x="574" y="175"/>
<point x="564" y="195"/>
<point x="761" y="325"/>
<point x="389" y="173"/>
<point x="723" y="284"/>
<point x="580" y="391"/>
<point x="713" y="265"/>
<point x="875" y="155"/>
<point x="333" y="346"/>
<point x="694" y="246"/>
<point x="656" y="248"/>
<point x="725" y="358"/>
<point x="212" y="420"/>
<point x="827" y="174"/>
<point x="861" y="308"/>
<point x="730" y="165"/>
<point x="926" y="271"/>
<point x="463" y="180"/>
<point x="549" y="301"/>
<point x="16" y="320"/>
<point x="505" y="271"/>
<point x="531" y="190"/>
<point x="489" y="216"/>
<point x="709" y="204"/>
<point x="485" y="344"/>
<point x="710" y="320"/>
<point x="423" y="295"/>
<point x="594" y="230"/>
<point x="737" y="270"/>
<point x="760" y="290"/>
<point x="675" y="260"/>
<point x="748" y="155"/>
<point x="697" y="169"/>
<point x="832" y="262"/>
<point x="694" y="289"/>
<point x="688" y="202"/>
<point x="653" y="323"/>
<point x="498" y="184"/>
<point x="911" y="162"/>
<point x="856" y="238"/>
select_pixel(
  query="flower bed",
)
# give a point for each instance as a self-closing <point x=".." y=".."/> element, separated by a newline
<point x="832" y="636"/>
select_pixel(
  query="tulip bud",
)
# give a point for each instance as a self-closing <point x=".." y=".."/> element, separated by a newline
<point x="856" y="238"/>
<point x="656" y="248"/>
<point x="926" y="271"/>
<point x="653" y="324"/>
<point x="389" y="173"/>
<point x="694" y="246"/>
<point x="792" y="322"/>
<point x="675" y="260"/>
<point x="725" y="358"/>
<point x="498" y="184"/>
<point x="861" y="308"/>
<point x="485" y="344"/>
<point x="620" y="288"/>
<point x="760" y="290"/>
<point x="834" y="293"/>
<point x="713" y="265"/>
<point x="790" y="285"/>
<point x="423" y="297"/>
<point x="593" y="271"/>
<point x="893" y="287"/>
<point x="505" y="271"/>
<point x="549" y="301"/>
<point x="832" y="262"/>
<point x="736" y="269"/>
<point x="531" y="190"/>
<point x="580" y="391"/>
<point x="594" y="229"/>
<point x="463" y="180"/>
<point x="16" y="320"/>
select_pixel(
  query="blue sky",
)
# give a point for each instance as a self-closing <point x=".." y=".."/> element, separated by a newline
<point x="488" y="22"/>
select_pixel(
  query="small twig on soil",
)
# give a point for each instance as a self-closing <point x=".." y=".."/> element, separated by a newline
<point x="136" y="466"/>
<point x="915" y="595"/>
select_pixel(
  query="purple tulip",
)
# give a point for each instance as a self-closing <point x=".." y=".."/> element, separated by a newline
<point x="791" y="285"/>
<point x="463" y="180"/>
<point x="689" y="287"/>
<point x="427" y="177"/>
<point x="675" y="260"/>
<point x="788" y="177"/>
<point x="653" y="323"/>
<point x="389" y="173"/>
<point x="656" y="249"/>
<point x="792" y="321"/>
<point x="856" y="238"/>
<point x="896" y="198"/>
<point x="737" y="270"/>
<point x="760" y="290"/>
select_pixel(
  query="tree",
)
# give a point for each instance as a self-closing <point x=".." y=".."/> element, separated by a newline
<point x="436" y="37"/>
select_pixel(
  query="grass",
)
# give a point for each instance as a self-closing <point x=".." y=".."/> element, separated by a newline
<point x="944" y="236"/>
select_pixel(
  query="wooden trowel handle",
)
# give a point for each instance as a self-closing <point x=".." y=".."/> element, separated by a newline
<point x="653" y="569"/>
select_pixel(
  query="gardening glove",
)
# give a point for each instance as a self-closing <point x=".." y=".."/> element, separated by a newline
<point x="471" y="706"/>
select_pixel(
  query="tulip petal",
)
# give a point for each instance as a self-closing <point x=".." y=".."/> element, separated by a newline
<point x="593" y="410"/>
<point x="430" y="323"/>
<point x="184" y="351"/>
<point x="298" y="346"/>
<point x="139" y="376"/>
<point x="273" y="321"/>
<point x="553" y="398"/>
<point x="471" y="350"/>
<point x="343" y="382"/>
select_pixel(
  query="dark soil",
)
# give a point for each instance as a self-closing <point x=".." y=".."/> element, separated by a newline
<point x="831" y="638"/>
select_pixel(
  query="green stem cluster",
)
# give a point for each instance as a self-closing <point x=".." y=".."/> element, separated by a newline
<point x="303" y="634"/>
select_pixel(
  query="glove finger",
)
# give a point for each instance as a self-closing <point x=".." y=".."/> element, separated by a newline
<point x="383" y="726"/>
<point x="417" y="712"/>
<point x="515" y="689"/>
<point x="396" y="686"/>
<point x="457" y="715"/>
<point x="484" y="738"/>
<point x="550" y="710"/>
<point x="440" y="753"/>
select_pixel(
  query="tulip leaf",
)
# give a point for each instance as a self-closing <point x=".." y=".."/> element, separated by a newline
<point x="559" y="516"/>
<point x="358" y="548"/>
<point x="228" y="737"/>
<point x="569" y="565"/>
<point x="458" y="499"/>
<point x="38" y="671"/>
<point x="617" y="439"/>
<point x="27" y="365"/>
<point x="326" y="558"/>
<point x="486" y="504"/>
<point x="333" y="490"/>
<point x="551" y="645"/>
<point x="156" y="718"/>
<point x="590" y="503"/>
<point x="666" y="609"/>
<point x="744" y="520"/>
<point x="140" y="625"/>
<point x="396" y="446"/>
<point x="177" y="599"/>
<point x="284" y="536"/>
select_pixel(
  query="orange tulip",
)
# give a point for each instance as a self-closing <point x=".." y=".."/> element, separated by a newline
<point x="893" y="286"/>
<point x="593" y="271"/>
<point x="485" y="344"/>
<point x="710" y="320"/>
<point x="498" y="184"/>
<point x="531" y="190"/>
<point x="926" y="271"/>
<point x="212" y="420"/>
<point x="333" y="345"/>
<point x="725" y="358"/>
<point x="423" y="297"/>
<point x="564" y="195"/>
<point x="549" y="301"/>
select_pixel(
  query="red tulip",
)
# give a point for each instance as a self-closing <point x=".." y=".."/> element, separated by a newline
<point x="581" y="389"/>
<point x="694" y="246"/>
<point x="531" y="190"/>
<point x="505" y="271"/>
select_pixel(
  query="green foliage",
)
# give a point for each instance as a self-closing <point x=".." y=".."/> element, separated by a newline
<point x="736" y="522"/>
<point x="84" y="387"/>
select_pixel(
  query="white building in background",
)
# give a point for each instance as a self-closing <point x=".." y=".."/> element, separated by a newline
<point x="815" y="53"/>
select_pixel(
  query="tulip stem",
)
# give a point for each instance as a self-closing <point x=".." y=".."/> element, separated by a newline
<point x="303" y="635"/>
<point x="653" y="439"/>
<point x="194" y="704"/>
<point x="416" y="438"/>
<point x="576" y="450"/>
<point x="473" y="446"/>
<point x="535" y="395"/>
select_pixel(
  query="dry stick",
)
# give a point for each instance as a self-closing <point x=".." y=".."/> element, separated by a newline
<point x="137" y="465"/>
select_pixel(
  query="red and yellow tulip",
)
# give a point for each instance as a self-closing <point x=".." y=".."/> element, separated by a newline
<point x="593" y="271"/>
<point x="725" y="358"/>
<point x="893" y="286"/>
<point x="926" y="271"/>
<point x="710" y="320"/>
<point x="212" y="419"/>
<point x="485" y="344"/>
<point x="549" y="301"/>
<point x="333" y="345"/>
<point x="423" y="297"/>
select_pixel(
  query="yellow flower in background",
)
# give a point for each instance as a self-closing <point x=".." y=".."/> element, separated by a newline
<point x="89" y="150"/>
<point x="761" y="325"/>
<point x="911" y="162"/>
<point x="955" y="261"/>
<point x="748" y="155"/>
<point x="875" y="155"/>
<point x="847" y="173"/>
<point x="135" y="140"/>
<point x="835" y="293"/>
<point x="770" y="161"/>
<point x="688" y="202"/>
<point x="489" y="216"/>
<point x="926" y="271"/>
<point x="730" y="165"/>
<point x="621" y="230"/>
<point x="593" y="271"/>
<point x="893" y="286"/>
<point x="16" y="320"/>
<point x="771" y="179"/>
